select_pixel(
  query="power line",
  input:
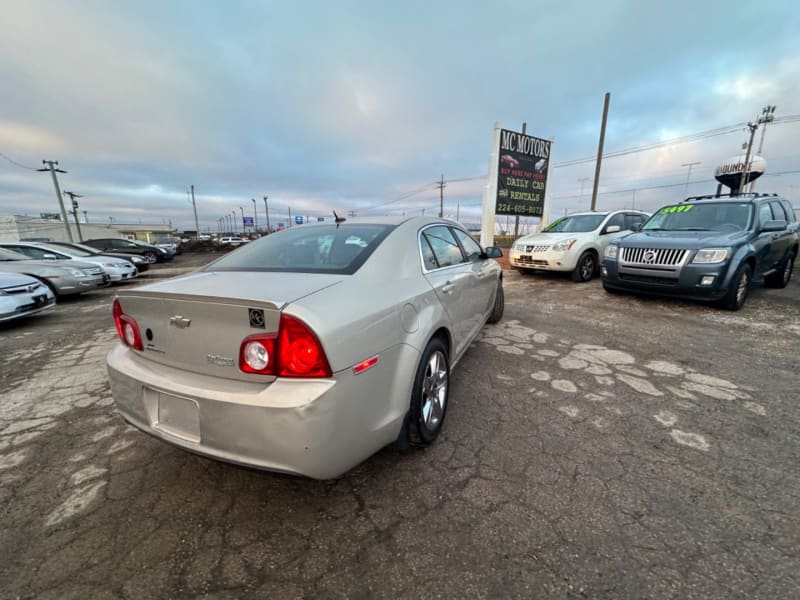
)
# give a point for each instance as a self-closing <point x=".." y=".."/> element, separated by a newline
<point x="20" y="165"/>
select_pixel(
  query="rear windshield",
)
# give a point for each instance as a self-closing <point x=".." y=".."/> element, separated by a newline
<point x="307" y="249"/>
<point x="725" y="217"/>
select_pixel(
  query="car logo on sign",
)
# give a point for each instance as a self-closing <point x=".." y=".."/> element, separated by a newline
<point x="649" y="257"/>
<point x="180" y="322"/>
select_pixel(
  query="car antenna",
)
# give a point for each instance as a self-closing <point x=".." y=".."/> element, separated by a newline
<point x="338" y="220"/>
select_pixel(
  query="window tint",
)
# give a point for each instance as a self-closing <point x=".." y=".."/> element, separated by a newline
<point x="764" y="213"/>
<point x="428" y="259"/>
<point x="778" y="212"/>
<point x="308" y="249"/>
<point x="618" y="220"/>
<point x="444" y="245"/>
<point x="471" y="247"/>
<point x="633" y="219"/>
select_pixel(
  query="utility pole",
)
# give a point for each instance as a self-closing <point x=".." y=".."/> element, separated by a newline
<point x="458" y="212"/>
<point x="196" y="223"/>
<point x="86" y="216"/>
<point x="600" y="150"/>
<point x="255" y="215"/>
<point x="441" y="185"/>
<point x="351" y="213"/>
<point x="689" y="176"/>
<point x="290" y="216"/>
<point x="767" y="116"/>
<point x="266" y="212"/>
<point x="51" y="166"/>
<point x="72" y="197"/>
<point x="746" y="168"/>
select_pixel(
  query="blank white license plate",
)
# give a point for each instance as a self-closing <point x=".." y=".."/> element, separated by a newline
<point x="179" y="417"/>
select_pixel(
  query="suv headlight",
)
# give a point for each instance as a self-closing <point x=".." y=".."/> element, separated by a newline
<point x="564" y="245"/>
<point x="610" y="251"/>
<point x="711" y="255"/>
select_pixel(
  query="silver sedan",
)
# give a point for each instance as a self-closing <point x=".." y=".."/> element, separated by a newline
<point x="310" y="349"/>
<point x="63" y="277"/>
<point x="21" y="296"/>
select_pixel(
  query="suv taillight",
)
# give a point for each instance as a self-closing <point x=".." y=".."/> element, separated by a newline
<point x="294" y="352"/>
<point x="127" y="328"/>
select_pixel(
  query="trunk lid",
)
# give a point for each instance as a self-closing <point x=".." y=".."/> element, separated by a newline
<point x="197" y="322"/>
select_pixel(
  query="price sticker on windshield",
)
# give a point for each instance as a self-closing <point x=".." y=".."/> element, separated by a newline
<point x="676" y="209"/>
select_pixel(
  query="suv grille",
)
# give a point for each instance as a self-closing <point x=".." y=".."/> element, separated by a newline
<point x="536" y="248"/>
<point x="654" y="257"/>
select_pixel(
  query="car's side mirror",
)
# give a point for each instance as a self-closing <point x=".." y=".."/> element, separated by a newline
<point x="778" y="225"/>
<point x="492" y="252"/>
<point x="612" y="229"/>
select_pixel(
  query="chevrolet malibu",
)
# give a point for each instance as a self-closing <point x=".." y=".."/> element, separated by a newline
<point x="310" y="349"/>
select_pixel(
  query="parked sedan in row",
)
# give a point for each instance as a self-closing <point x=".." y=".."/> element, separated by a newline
<point x="308" y="350"/>
<point x="118" y="269"/>
<point x="118" y="245"/>
<point x="63" y="277"/>
<point x="81" y="251"/>
<point x="21" y="296"/>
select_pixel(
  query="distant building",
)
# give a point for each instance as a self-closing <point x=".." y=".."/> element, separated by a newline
<point x="15" y="228"/>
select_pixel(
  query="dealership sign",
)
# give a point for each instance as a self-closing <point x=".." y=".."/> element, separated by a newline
<point x="522" y="167"/>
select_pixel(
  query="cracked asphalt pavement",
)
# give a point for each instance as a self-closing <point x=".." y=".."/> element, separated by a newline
<point x="596" y="446"/>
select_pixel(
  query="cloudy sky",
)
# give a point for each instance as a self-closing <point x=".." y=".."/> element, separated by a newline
<point x="363" y="105"/>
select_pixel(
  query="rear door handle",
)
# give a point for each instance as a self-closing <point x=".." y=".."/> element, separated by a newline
<point x="448" y="288"/>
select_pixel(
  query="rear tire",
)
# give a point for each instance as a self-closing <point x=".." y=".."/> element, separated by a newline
<point x="151" y="256"/>
<point x="740" y="287"/>
<point x="780" y="279"/>
<point x="499" y="304"/>
<point x="585" y="268"/>
<point x="429" y="395"/>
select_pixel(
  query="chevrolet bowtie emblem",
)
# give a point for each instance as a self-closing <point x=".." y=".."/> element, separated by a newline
<point x="180" y="322"/>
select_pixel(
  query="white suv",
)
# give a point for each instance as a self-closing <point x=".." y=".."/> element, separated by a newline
<point x="574" y="243"/>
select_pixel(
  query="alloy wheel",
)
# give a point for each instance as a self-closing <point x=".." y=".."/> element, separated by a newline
<point x="434" y="391"/>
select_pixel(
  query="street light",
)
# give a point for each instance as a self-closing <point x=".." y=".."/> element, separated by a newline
<point x="255" y="215"/>
<point x="233" y="222"/>
<point x="689" y="176"/>
<point x="266" y="211"/>
<point x="244" y="229"/>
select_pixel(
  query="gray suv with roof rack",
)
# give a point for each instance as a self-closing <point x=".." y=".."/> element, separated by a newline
<point x="707" y="248"/>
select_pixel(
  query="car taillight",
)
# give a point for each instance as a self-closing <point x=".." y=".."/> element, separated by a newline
<point x="257" y="354"/>
<point x="294" y="352"/>
<point x="127" y="328"/>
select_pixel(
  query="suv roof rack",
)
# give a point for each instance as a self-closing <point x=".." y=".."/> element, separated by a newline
<point x="742" y="195"/>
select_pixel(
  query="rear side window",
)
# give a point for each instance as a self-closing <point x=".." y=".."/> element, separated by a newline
<point x="444" y="245"/>
<point x="789" y="211"/>
<point x="308" y="249"/>
<point x="633" y="219"/>
<point x="778" y="212"/>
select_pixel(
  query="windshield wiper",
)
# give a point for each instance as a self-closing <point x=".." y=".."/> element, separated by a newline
<point x="694" y="229"/>
<point x="656" y="229"/>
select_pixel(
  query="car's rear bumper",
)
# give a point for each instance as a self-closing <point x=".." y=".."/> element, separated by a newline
<point x="687" y="283"/>
<point x="317" y="428"/>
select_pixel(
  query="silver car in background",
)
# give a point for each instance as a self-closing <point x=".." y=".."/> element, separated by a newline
<point x="310" y="349"/>
<point x="21" y="296"/>
<point x="117" y="269"/>
<point x="63" y="277"/>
